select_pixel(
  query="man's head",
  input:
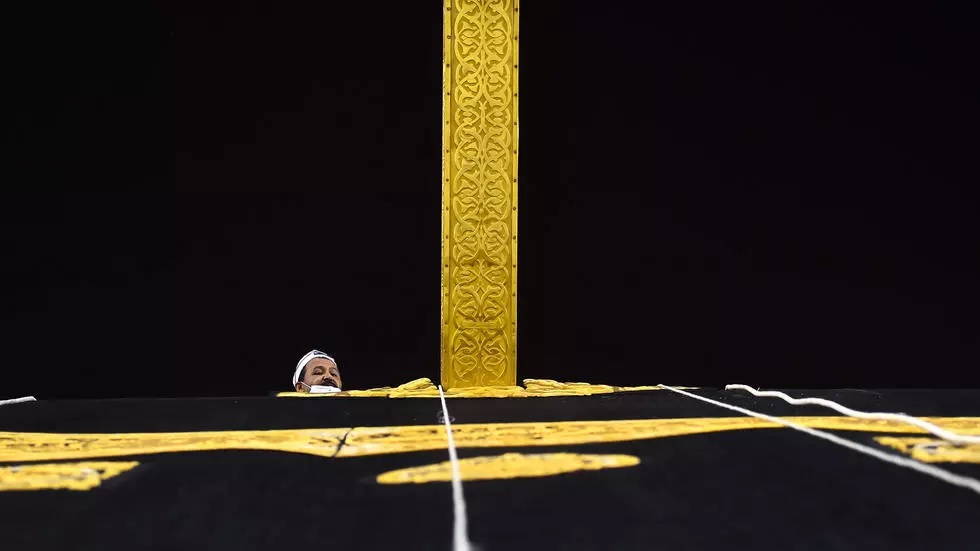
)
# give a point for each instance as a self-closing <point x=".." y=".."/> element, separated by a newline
<point x="316" y="369"/>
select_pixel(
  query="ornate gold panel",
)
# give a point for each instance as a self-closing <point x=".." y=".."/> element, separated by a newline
<point x="479" y="193"/>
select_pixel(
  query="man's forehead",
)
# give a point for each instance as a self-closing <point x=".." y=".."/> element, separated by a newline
<point x="321" y="362"/>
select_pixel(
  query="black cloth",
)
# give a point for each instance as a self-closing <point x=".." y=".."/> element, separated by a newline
<point x="749" y="489"/>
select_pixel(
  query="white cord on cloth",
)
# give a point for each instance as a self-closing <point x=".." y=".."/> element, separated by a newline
<point x="17" y="400"/>
<point x="461" y="539"/>
<point x="924" y="468"/>
<point x="901" y="418"/>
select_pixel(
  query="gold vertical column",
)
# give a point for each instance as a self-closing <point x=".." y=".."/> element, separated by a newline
<point x="479" y="193"/>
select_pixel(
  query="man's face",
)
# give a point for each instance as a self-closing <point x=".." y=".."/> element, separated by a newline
<point x="320" y="371"/>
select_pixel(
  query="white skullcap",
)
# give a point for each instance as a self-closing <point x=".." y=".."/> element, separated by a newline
<point x="305" y="360"/>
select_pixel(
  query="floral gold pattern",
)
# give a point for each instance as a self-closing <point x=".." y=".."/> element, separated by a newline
<point x="479" y="215"/>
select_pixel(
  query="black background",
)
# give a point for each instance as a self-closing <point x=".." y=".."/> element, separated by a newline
<point x="775" y="194"/>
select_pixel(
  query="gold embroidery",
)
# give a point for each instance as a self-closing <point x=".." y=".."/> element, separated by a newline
<point x="423" y="388"/>
<point x="508" y="465"/>
<point x="363" y="441"/>
<point x="380" y="440"/>
<point x="61" y="476"/>
<point x="479" y="194"/>
<point x="42" y="446"/>
<point x="930" y="450"/>
<point x="549" y="387"/>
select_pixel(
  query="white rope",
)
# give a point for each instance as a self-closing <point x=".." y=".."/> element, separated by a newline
<point x="17" y="400"/>
<point x="461" y="539"/>
<point x="901" y="418"/>
<point x="924" y="468"/>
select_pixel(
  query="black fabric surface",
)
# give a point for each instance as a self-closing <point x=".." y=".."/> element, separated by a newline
<point x="754" y="489"/>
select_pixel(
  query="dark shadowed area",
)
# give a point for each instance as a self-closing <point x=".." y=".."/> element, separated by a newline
<point x="781" y="195"/>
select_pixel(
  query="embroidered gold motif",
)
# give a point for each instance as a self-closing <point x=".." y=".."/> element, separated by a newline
<point x="479" y="193"/>
<point x="61" y="476"/>
<point x="930" y="450"/>
<point x="508" y="465"/>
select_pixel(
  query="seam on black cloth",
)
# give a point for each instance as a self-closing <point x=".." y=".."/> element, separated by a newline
<point x="343" y="440"/>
